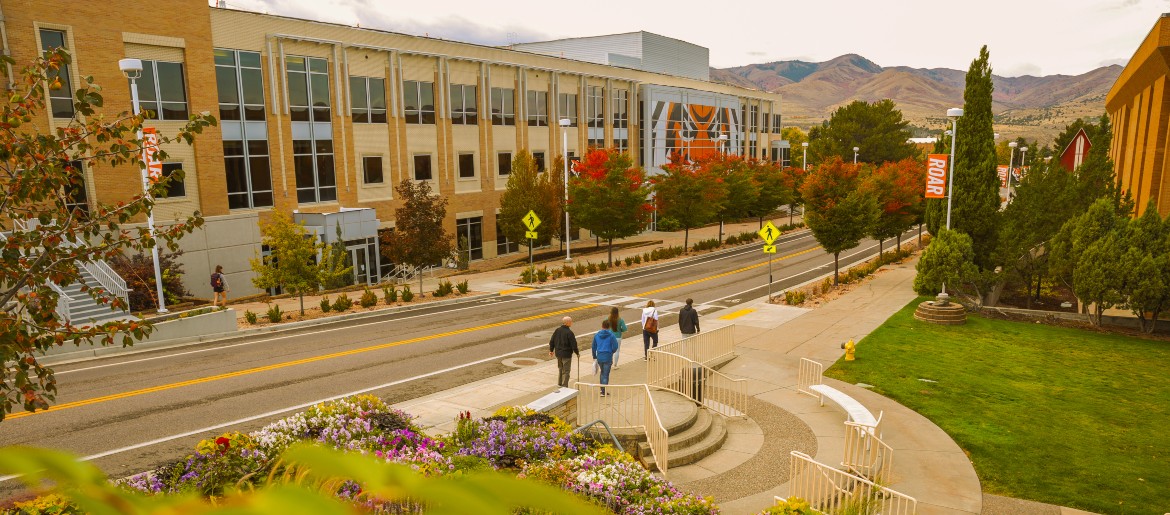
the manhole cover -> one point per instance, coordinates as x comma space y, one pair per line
521, 362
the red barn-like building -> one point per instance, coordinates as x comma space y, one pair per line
1076, 151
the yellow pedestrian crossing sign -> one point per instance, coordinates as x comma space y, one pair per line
769, 233
769, 249
531, 221
530, 235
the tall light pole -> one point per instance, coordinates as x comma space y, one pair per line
855, 149
722, 143
804, 160
565, 140
1011, 164
953, 113
132, 69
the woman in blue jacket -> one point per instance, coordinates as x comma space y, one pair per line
604, 346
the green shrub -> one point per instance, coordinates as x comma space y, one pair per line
369, 299
668, 224
630, 261
389, 294
463, 287
616, 263
555, 273
827, 285
592, 267
654, 255
794, 298
603, 266
444, 289
646, 256
342, 303
250, 317
325, 305
542, 274
274, 315
705, 244
637, 259
407, 295
580, 268
568, 271
732, 240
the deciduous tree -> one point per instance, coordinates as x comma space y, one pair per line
528, 190
897, 188
419, 238
47, 238
838, 209
691, 193
297, 261
608, 196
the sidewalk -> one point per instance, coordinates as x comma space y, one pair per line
770, 340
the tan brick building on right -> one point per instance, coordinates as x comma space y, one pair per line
1139, 106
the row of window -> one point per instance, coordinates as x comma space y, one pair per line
372, 166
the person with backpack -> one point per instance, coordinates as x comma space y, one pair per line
649, 328
617, 326
219, 287
604, 346
688, 319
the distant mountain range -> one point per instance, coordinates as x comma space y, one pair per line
1034, 107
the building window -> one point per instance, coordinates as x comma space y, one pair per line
503, 106
372, 169
60, 99
240, 84
176, 187
504, 163
621, 109
308, 89
161, 91
466, 166
503, 246
776, 129
76, 200
422, 167
538, 161
463, 105
471, 228
567, 107
418, 100
313, 164
595, 113
537, 109
755, 119
367, 98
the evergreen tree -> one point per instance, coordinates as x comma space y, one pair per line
419, 238
608, 196
878, 129
975, 193
1146, 266
948, 260
838, 210
336, 270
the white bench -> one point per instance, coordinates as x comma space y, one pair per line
809, 382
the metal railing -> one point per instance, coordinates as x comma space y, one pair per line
63, 300
625, 406
105, 276
866, 454
829, 490
706, 348
807, 375
707, 387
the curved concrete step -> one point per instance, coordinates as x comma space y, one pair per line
695, 451
678, 441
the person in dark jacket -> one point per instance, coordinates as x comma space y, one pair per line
604, 345
563, 345
688, 319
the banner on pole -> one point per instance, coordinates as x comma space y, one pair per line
936, 175
1002, 171
150, 151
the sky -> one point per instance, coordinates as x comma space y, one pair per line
1024, 37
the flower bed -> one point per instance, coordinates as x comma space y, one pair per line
532, 445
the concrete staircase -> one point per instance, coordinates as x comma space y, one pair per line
695, 433
82, 309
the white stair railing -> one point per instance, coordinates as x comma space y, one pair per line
702, 384
829, 490
866, 454
807, 375
626, 406
706, 348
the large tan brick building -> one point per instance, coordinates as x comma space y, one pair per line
1139, 107
325, 119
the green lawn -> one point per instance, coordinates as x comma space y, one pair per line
1058, 415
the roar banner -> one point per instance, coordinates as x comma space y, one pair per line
936, 176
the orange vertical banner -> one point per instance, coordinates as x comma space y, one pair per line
936, 175
1002, 171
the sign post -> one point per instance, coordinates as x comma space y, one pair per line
769, 233
531, 221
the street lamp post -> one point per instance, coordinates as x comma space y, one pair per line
564, 122
855, 149
1011, 165
953, 113
132, 69
804, 160
722, 143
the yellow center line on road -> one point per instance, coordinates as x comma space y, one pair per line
725, 274
276, 366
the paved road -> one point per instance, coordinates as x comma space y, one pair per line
134, 412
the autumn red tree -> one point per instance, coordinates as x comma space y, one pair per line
608, 196
691, 193
897, 189
838, 209
792, 179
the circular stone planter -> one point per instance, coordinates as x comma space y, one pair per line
943, 314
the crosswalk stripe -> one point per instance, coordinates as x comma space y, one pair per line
593, 300
543, 293
570, 296
620, 301
670, 306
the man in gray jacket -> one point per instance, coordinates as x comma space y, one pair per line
563, 345
688, 319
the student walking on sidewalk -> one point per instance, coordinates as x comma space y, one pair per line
688, 320
563, 345
604, 345
617, 326
649, 328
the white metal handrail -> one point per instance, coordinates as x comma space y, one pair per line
807, 375
706, 386
829, 490
706, 348
866, 454
107, 278
63, 301
626, 406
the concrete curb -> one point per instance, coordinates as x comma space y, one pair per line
99, 352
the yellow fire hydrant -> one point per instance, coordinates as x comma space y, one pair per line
849, 347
